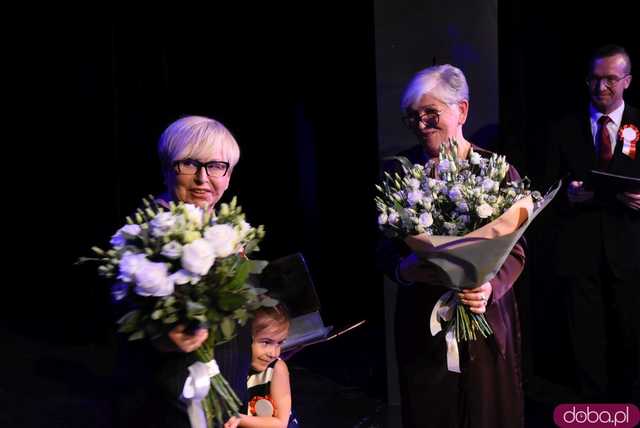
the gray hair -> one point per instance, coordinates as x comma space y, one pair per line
195, 136
445, 82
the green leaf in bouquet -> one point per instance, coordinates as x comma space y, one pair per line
213, 316
230, 301
137, 335
129, 322
228, 327
241, 315
257, 266
157, 314
242, 273
195, 308
268, 301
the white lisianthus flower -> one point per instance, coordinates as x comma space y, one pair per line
496, 186
129, 266
223, 239
393, 218
444, 165
243, 230
382, 218
425, 219
193, 215
487, 184
462, 206
415, 196
172, 250
475, 158
451, 227
484, 210
413, 183
129, 231
455, 194
162, 224
152, 280
198, 256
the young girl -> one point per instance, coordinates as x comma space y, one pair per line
268, 386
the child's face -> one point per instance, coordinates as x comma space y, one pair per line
266, 346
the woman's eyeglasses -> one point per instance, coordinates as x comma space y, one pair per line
427, 117
192, 166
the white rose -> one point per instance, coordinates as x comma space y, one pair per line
415, 196
198, 256
484, 210
172, 250
382, 218
119, 239
152, 280
162, 224
223, 238
129, 266
425, 219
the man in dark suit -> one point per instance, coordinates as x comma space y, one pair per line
598, 239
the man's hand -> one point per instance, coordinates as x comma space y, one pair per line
630, 199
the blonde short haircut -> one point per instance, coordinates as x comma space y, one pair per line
196, 136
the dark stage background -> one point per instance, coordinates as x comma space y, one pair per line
297, 87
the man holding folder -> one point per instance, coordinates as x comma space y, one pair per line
598, 240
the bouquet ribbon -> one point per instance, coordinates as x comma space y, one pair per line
443, 311
196, 389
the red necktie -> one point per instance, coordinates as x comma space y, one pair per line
604, 142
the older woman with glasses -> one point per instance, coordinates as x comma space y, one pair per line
197, 155
488, 391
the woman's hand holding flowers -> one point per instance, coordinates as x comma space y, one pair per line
476, 299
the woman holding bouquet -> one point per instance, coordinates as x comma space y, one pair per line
488, 390
197, 155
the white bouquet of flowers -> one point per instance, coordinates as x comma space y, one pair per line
463, 218
188, 265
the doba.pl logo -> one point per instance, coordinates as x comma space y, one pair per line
596, 415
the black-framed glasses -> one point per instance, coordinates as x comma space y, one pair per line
427, 117
609, 81
191, 167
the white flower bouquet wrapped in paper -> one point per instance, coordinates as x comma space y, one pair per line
188, 265
462, 218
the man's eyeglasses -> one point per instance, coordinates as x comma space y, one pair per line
427, 117
609, 81
192, 166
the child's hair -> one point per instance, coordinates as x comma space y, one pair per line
266, 317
